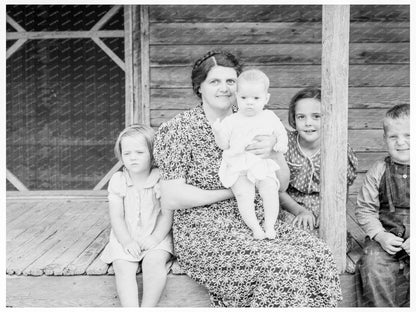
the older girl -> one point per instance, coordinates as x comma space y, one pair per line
140, 230
303, 157
213, 244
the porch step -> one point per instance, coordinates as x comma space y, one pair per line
100, 291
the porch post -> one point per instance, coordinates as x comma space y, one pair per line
334, 129
136, 47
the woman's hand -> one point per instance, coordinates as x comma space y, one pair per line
262, 145
305, 219
132, 247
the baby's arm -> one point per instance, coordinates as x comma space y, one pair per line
221, 137
118, 225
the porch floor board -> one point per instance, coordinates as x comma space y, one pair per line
64, 237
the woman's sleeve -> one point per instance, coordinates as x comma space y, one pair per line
352, 165
172, 150
117, 185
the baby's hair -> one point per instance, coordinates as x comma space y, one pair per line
211, 59
254, 75
136, 129
397, 112
307, 93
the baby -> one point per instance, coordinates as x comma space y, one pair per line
241, 170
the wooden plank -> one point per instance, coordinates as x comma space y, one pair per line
59, 266
108, 176
80, 264
56, 194
95, 291
97, 267
296, 76
12, 49
16, 209
129, 29
366, 140
110, 53
278, 54
335, 39
106, 17
15, 181
36, 35
269, 32
358, 97
53, 260
27, 231
367, 159
27, 253
271, 13
144, 110
14, 24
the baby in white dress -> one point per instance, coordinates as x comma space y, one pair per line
241, 170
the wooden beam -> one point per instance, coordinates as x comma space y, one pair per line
106, 17
130, 30
334, 129
144, 115
15, 46
13, 23
64, 34
15, 181
109, 52
107, 177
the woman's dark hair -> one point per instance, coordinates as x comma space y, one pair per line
213, 58
307, 93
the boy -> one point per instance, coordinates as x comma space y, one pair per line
383, 211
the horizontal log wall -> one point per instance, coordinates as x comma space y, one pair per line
285, 42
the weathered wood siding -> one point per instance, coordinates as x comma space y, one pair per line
285, 42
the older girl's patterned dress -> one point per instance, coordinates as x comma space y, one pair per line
215, 247
304, 185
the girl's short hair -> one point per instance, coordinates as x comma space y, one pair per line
213, 58
307, 93
136, 129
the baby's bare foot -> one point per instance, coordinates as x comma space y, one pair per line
270, 234
259, 234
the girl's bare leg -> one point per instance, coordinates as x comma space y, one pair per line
269, 192
154, 276
126, 282
244, 191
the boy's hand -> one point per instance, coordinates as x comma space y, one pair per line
149, 242
132, 248
389, 242
305, 219
406, 246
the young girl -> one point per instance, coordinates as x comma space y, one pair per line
140, 230
303, 158
242, 170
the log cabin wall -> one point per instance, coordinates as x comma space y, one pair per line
62, 119
285, 42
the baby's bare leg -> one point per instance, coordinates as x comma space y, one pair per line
269, 192
244, 192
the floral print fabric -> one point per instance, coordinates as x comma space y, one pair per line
215, 247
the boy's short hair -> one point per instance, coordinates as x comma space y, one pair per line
254, 75
396, 112
136, 129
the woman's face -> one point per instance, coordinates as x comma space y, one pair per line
308, 119
218, 89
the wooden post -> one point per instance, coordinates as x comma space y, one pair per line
137, 60
334, 131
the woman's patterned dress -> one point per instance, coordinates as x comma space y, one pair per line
215, 247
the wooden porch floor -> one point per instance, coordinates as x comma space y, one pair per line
64, 237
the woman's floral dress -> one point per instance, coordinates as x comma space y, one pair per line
215, 247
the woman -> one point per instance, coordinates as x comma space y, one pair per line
211, 241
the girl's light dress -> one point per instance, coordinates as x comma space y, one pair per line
240, 131
141, 209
